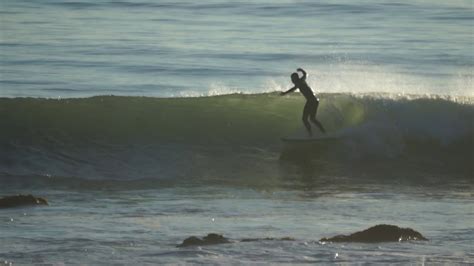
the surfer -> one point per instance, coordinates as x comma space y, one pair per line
312, 103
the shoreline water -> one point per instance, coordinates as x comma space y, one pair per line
147, 225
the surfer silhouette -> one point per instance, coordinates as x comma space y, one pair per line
312, 103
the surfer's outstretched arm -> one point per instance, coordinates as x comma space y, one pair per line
304, 73
288, 91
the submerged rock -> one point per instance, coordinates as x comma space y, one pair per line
378, 233
210, 239
214, 239
267, 239
21, 200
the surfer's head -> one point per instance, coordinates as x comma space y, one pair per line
295, 78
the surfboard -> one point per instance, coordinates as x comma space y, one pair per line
304, 138
314, 139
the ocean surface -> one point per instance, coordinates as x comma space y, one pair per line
146, 122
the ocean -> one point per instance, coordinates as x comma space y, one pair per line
146, 122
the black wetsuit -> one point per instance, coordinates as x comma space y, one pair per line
312, 103
311, 106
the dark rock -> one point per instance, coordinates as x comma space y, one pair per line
378, 233
267, 239
210, 239
191, 241
214, 239
21, 200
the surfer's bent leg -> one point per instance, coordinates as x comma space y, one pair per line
314, 110
306, 115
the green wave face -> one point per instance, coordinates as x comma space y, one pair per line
219, 119
139, 136
230, 118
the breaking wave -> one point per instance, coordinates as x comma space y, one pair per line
238, 135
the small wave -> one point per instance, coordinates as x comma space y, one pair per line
160, 138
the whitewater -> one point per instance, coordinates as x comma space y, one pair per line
146, 122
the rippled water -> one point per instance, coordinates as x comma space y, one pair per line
143, 226
54, 48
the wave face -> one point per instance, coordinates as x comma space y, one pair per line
231, 136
